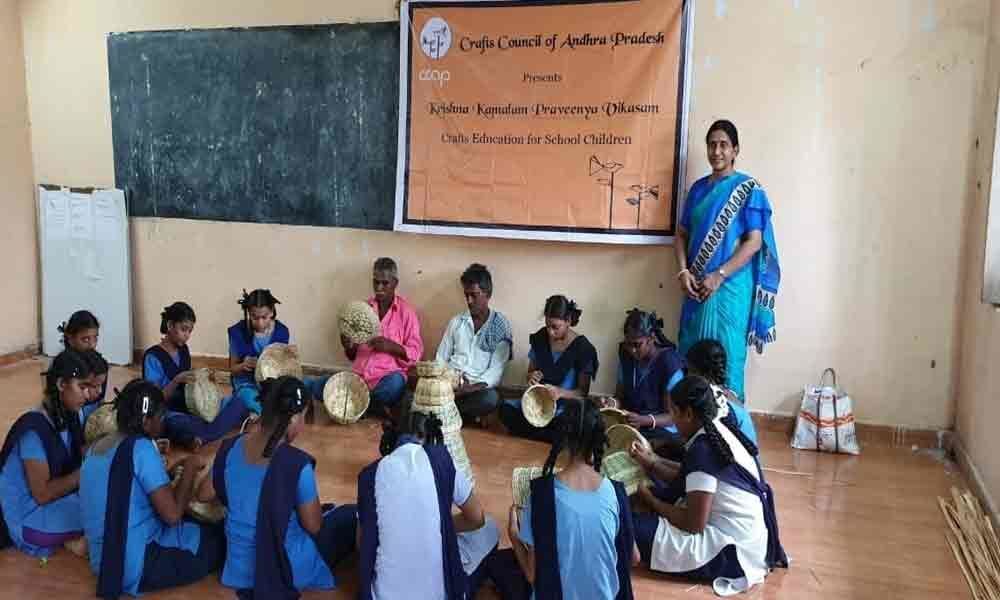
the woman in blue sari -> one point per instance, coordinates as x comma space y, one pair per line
728, 258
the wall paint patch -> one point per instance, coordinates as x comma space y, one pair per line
929, 21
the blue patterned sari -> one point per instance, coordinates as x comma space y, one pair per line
741, 312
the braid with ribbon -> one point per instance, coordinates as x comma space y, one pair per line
283, 398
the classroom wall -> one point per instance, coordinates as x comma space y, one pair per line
857, 116
18, 245
979, 378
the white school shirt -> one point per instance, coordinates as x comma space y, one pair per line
736, 518
460, 350
408, 561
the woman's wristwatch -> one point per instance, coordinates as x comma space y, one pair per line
722, 272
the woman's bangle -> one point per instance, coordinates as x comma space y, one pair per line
682, 272
653, 417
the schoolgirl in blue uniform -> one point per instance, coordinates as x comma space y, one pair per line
40, 464
98, 382
167, 365
134, 521
81, 333
559, 358
707, 358
280, 540
573, 540
259, 329
649, 366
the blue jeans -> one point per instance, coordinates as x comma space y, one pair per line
388, 392
315, 386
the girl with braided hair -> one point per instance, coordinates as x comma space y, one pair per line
280, 539
708, 359
726, 531
248, 337
40, 464
648, 368
411, 545
573, 539
139, 538
167, 365
81, 333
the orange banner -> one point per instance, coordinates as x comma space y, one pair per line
550, 120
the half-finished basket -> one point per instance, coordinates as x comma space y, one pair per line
278, 360
538, 405
346, 397
202, 397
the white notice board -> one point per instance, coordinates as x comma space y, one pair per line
85, 265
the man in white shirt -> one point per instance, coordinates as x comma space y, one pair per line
478, 343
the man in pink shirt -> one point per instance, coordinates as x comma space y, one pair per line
384, 361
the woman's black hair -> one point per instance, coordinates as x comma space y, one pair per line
422, 425
68, 364
78, 321
561, 307
726, 126
698, 394
135, 402
176, 313
478, 274
646, 324
580, 429
282, 399
98, 365
257, 299
708, 358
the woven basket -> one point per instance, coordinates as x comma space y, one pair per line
202, 397
432, 369
620, 438
451, 428
100, 423
346, 397
453, 377
433, 387
620, 466
520, 482
614, 416
358, 322
278, 360
209, 512
538, 405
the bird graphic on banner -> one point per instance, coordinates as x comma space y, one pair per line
605, 171
653, 191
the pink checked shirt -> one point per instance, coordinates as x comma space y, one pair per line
401, 325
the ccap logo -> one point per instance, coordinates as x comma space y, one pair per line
435, 38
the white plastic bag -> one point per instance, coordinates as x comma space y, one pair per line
826, 420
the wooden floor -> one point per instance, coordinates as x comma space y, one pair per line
854, 527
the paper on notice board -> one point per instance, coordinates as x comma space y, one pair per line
56, 216
81, 220
107, 216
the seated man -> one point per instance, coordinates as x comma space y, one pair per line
383, 362
477, 344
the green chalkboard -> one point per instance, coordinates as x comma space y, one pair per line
294, 125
